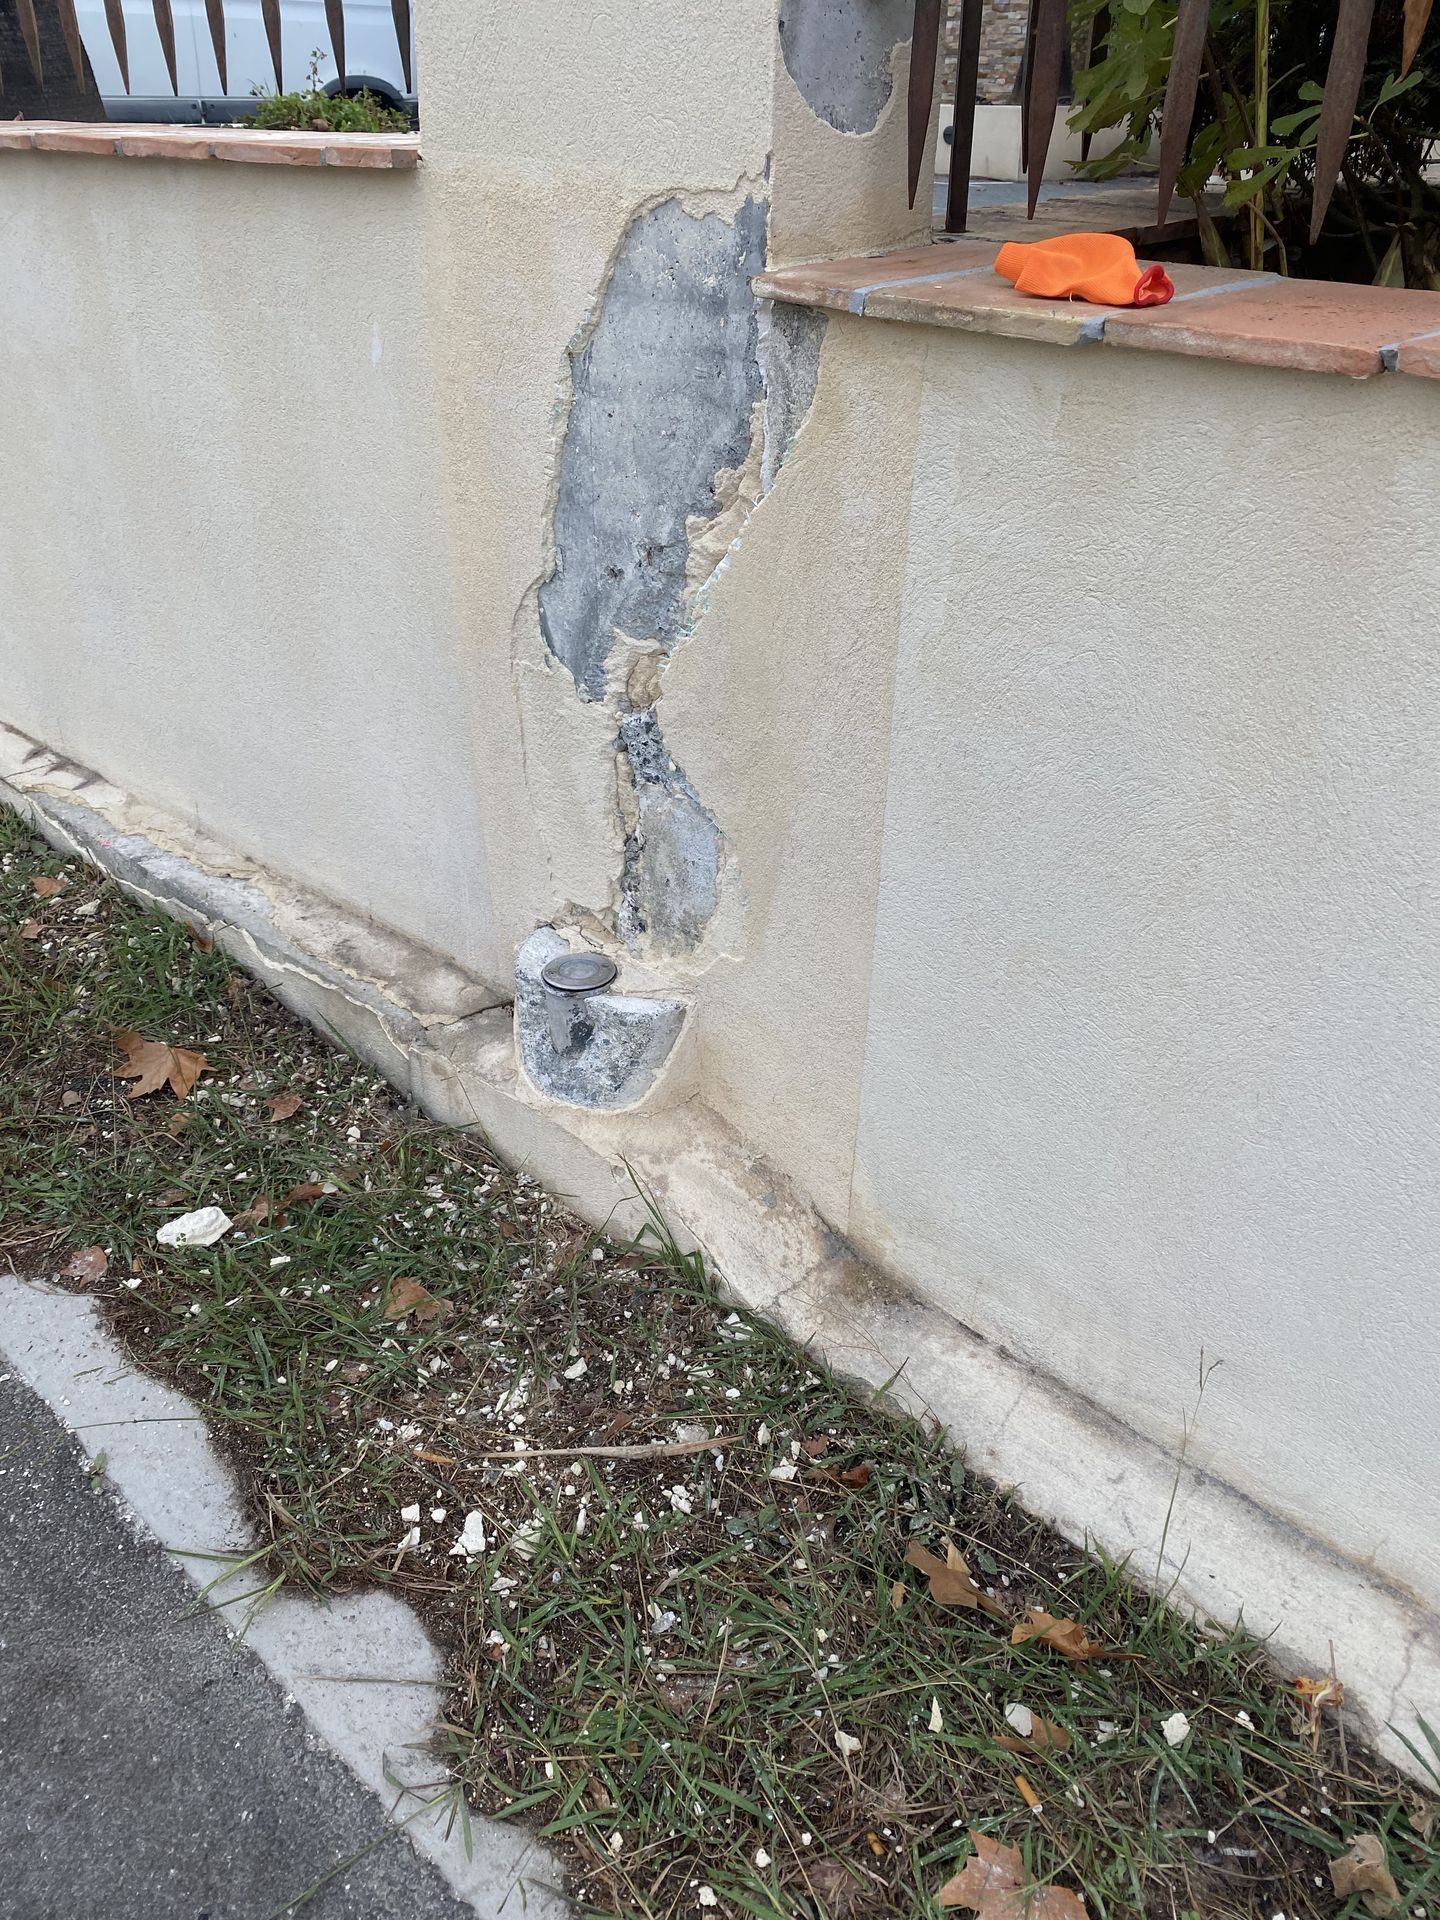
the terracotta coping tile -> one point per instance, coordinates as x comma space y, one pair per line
1317, 326
136, 141
1420, 356
844, 283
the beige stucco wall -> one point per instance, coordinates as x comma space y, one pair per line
224, 579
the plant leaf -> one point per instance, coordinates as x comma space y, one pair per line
406, 1296
88, 1266
151, 1063
1066, 1636
995, 1884
47, 885
1417, 18
951, 1582
1363, 1870
284, 1106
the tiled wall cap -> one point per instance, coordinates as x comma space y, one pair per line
127, 140
1315, 326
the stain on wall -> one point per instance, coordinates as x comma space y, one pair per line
671, 884
662, 395
838, 53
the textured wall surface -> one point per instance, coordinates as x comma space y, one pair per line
223, 575
1153, 1066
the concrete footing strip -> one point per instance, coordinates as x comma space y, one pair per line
1074, 1463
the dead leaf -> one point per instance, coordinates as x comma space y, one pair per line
1318, 1694
177, 1124
1417, 18
1026, 1792
151, 1065
47, 886
1044, 1737
995, 1884
255, 1215
812, 1449
169, 1196
301, 1196
406, 1296
1423, 1818
70, 1098
31, 930
435, 1459
201, 939
284, 1106
1066, 1636
835, 1887
951, 1584
235, 990
87, 1266
852, 1477
1363, 1870
898, 1591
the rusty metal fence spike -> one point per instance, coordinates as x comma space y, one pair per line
1027, 67
30, 29
335, 21
1181, 90
270, 14
400, 14
115, 21
1342, 90
962, 131
1042, 88
1096, 34
70, 27
924, 51
165, 27
215, 14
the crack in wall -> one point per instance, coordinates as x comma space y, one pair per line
685, 398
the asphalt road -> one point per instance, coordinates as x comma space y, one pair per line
151, 1768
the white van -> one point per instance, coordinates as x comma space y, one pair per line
137, 85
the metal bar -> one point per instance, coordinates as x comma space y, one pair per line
1043, 91
962, 133
165, 27
215, 14
1342, 90
1096, 34
1027, 64
70, 27
1181, 90
115, 21
270, 14
30, 29
400, 13
335, 21
924, 52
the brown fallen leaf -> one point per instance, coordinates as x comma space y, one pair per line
284, 1106
70, 1098
255, 1215
87, 1266
951, 1582
835, 1887
30, 930
898, 1591
994, 1883
1318, 1694
302, 1196
812, 1449
177, 1124
1363, 1870
202, 939
1044, 1737
1066, 1636
406, 1296
235, 990
151, 1064
852, 1477
435, 1459
46, 885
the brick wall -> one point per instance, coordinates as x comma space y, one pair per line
1002, 39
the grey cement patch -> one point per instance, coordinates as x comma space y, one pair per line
615, 1063
671, 883
790, 353
662, 395
362, 1672
838, 54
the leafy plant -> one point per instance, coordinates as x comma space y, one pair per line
1260, 73
312, 110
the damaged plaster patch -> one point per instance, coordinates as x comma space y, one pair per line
838, 53
621, 1045
663, 396
671, 883
790, 346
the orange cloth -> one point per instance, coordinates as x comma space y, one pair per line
1084, 266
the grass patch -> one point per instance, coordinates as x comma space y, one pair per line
706, 1675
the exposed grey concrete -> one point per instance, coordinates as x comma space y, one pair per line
154, 1769
791, 340
616, 1062
671, 884
662, 394
363, 1674
838, 54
